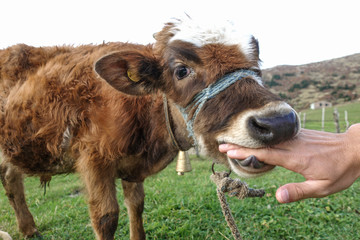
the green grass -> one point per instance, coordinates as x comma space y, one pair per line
313, 117
187, 208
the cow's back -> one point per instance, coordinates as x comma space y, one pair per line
49, 99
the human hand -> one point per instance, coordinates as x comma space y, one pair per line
329, 162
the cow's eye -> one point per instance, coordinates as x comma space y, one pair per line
182, 72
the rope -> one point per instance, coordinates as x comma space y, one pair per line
168, 126
235, 188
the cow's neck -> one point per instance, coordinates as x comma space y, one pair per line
160, 150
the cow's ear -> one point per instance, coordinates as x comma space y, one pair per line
132, 72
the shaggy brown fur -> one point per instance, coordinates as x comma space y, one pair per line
58, 116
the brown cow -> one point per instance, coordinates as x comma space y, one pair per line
99, 111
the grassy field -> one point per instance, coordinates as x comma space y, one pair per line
313, 117
187, 208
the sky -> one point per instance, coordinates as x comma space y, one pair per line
290, 32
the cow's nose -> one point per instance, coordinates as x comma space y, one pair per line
272, 130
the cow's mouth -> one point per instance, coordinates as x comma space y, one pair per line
250, 161
249, 167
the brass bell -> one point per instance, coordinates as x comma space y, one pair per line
183, 164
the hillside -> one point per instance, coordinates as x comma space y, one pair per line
336, 81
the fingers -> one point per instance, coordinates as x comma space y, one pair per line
227, 147
267, 155
293, 192
319, 156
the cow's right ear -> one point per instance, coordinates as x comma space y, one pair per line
132, 72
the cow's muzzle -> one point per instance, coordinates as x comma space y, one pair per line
270, 125
271, 130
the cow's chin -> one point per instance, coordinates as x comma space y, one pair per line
248, 168
251, 166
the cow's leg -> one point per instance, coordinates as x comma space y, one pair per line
104, 209
134, 201
12, 180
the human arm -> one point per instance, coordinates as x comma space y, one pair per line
329, 162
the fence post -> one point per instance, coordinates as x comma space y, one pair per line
304, 119
346, 119
336, 120
323, 119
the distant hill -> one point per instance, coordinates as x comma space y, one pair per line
336, 81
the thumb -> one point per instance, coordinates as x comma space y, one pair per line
293, 192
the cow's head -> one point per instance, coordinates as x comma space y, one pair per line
188, 59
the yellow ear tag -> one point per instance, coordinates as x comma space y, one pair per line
132, 76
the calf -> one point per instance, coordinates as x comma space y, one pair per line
100, 111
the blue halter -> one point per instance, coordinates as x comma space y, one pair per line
210, 92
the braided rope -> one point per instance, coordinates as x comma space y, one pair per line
235, 188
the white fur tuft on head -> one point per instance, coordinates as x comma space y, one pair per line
201, 33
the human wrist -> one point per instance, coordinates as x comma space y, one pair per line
353, 137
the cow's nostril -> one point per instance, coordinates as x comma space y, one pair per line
274, 129
260, 126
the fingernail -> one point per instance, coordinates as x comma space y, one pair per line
222, 147
284, 196
231, 153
